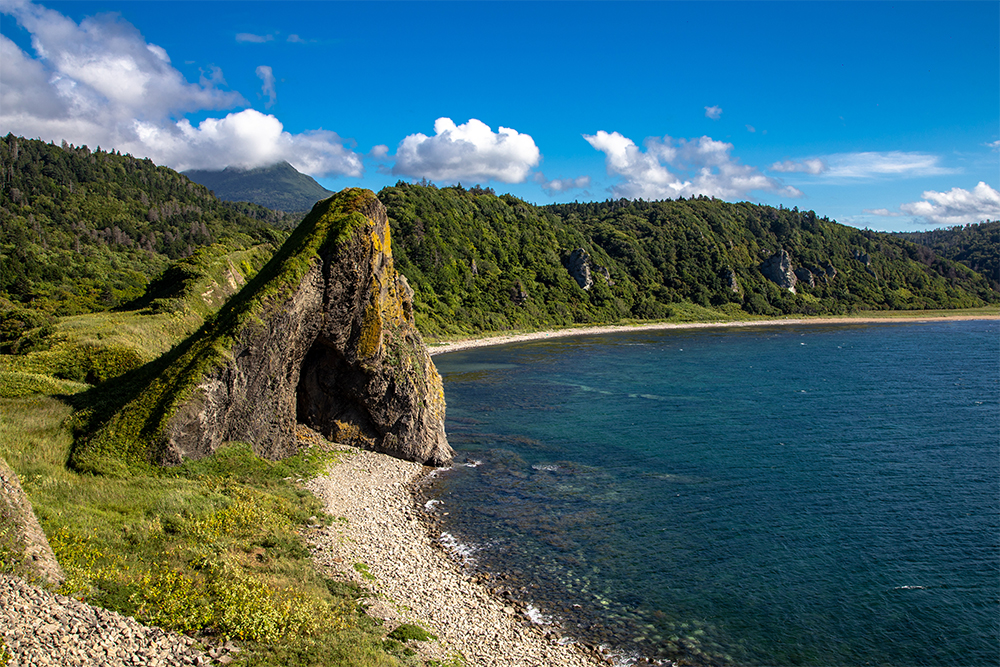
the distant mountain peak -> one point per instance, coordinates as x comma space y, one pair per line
278, 186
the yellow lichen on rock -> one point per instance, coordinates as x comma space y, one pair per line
370, 338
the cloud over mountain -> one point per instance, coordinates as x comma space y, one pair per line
99, 82
467, 152
700, 166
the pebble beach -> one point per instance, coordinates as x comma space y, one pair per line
379, 539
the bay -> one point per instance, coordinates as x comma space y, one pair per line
795, 495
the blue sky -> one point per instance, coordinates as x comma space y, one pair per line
880, 115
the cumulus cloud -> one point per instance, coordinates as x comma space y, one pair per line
713, 112
557, 185
100, 83
700, 166
467, 152
995, 145
957, 206
247, 139
265, 74
812, 166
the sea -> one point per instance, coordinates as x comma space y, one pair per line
821, 494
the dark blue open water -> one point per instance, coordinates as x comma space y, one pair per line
796, 495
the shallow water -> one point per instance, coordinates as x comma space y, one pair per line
809, 495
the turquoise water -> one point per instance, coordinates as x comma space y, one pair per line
798, 495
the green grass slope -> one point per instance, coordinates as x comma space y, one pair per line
95, 347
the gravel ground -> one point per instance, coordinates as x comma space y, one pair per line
380, 541
43, 628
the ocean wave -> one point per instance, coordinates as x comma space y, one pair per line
548, 467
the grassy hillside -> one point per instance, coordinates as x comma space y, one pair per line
214, 548
480, 262
84, 231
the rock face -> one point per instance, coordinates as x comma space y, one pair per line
734, 285
582, 269
804, 275
778, 269
336, 349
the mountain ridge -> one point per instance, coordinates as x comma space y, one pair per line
278, 186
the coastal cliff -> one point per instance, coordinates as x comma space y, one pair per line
324, 336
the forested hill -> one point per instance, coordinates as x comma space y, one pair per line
83, 230
977, 246
482, 262
279, 186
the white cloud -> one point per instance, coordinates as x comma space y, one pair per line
812, 166
295, 39
468, 152
706, 165
995, 145
891, 163
713, 112
558, 185
884, 212
100, 83
751, 129
247, 139
265, 74
250, 38
957, 206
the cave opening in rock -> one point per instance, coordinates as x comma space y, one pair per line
328, 399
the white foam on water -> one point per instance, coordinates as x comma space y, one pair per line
434, 473
536, 616
546, 468
909, 588
431, 504
475, 463
460, 549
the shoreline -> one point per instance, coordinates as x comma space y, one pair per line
504, 339
380, 540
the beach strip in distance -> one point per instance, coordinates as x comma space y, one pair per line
503, 339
